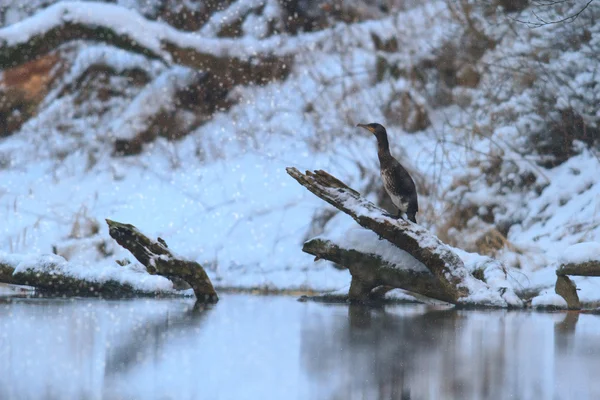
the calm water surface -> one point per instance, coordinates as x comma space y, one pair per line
249, 347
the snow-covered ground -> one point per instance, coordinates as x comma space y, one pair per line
221, 196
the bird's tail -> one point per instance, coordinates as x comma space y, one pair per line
412, 217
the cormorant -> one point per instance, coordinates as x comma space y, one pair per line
396, 180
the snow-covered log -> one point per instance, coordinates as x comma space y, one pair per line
230, 62
456, 283
159, 260
588, 268
52, 274
370, 270
581, 259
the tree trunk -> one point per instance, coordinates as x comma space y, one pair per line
371, 270
590, 268
455, 282
566, 288
159, 260
51, 274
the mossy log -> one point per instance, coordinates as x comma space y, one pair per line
370, 271
454, 282
589, 268
53, 279
123, 28
159, 260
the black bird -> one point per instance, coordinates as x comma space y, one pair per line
396, 180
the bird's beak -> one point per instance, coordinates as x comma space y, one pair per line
367, 127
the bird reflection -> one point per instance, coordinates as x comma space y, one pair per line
373, 351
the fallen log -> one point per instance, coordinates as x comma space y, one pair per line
566, 288
159, 260
370, 271
229, 61
52, 274
456, 284
588, 268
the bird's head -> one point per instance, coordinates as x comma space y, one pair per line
376, 129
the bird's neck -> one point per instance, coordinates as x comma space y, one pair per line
383, 149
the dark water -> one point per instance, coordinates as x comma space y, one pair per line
250, 347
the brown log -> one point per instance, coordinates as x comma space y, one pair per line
158, 259
443, 263
53, 280
589, 268
567, 290
370, 271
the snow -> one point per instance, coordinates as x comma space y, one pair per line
123, 21
229, 15
580, 253
500, 278
52, 264
220, 196
548, 299
366, 241
14, 290
499, 290
158, 96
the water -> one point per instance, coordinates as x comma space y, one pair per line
251, 347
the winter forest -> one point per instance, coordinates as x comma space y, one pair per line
195, 193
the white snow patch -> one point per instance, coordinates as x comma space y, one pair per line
549, 299
581, 253
56, 265
366, 241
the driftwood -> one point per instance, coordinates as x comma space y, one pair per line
159, 260
370, 271
566, 288
589, 268
53, 280
54, 275
454, 283
68, 21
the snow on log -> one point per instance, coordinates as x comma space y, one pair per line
50, 273
588, 268
159, 260
371, 270
230, 61
457, 284
581, 259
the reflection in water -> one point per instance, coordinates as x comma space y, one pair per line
428, 353
249, 347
